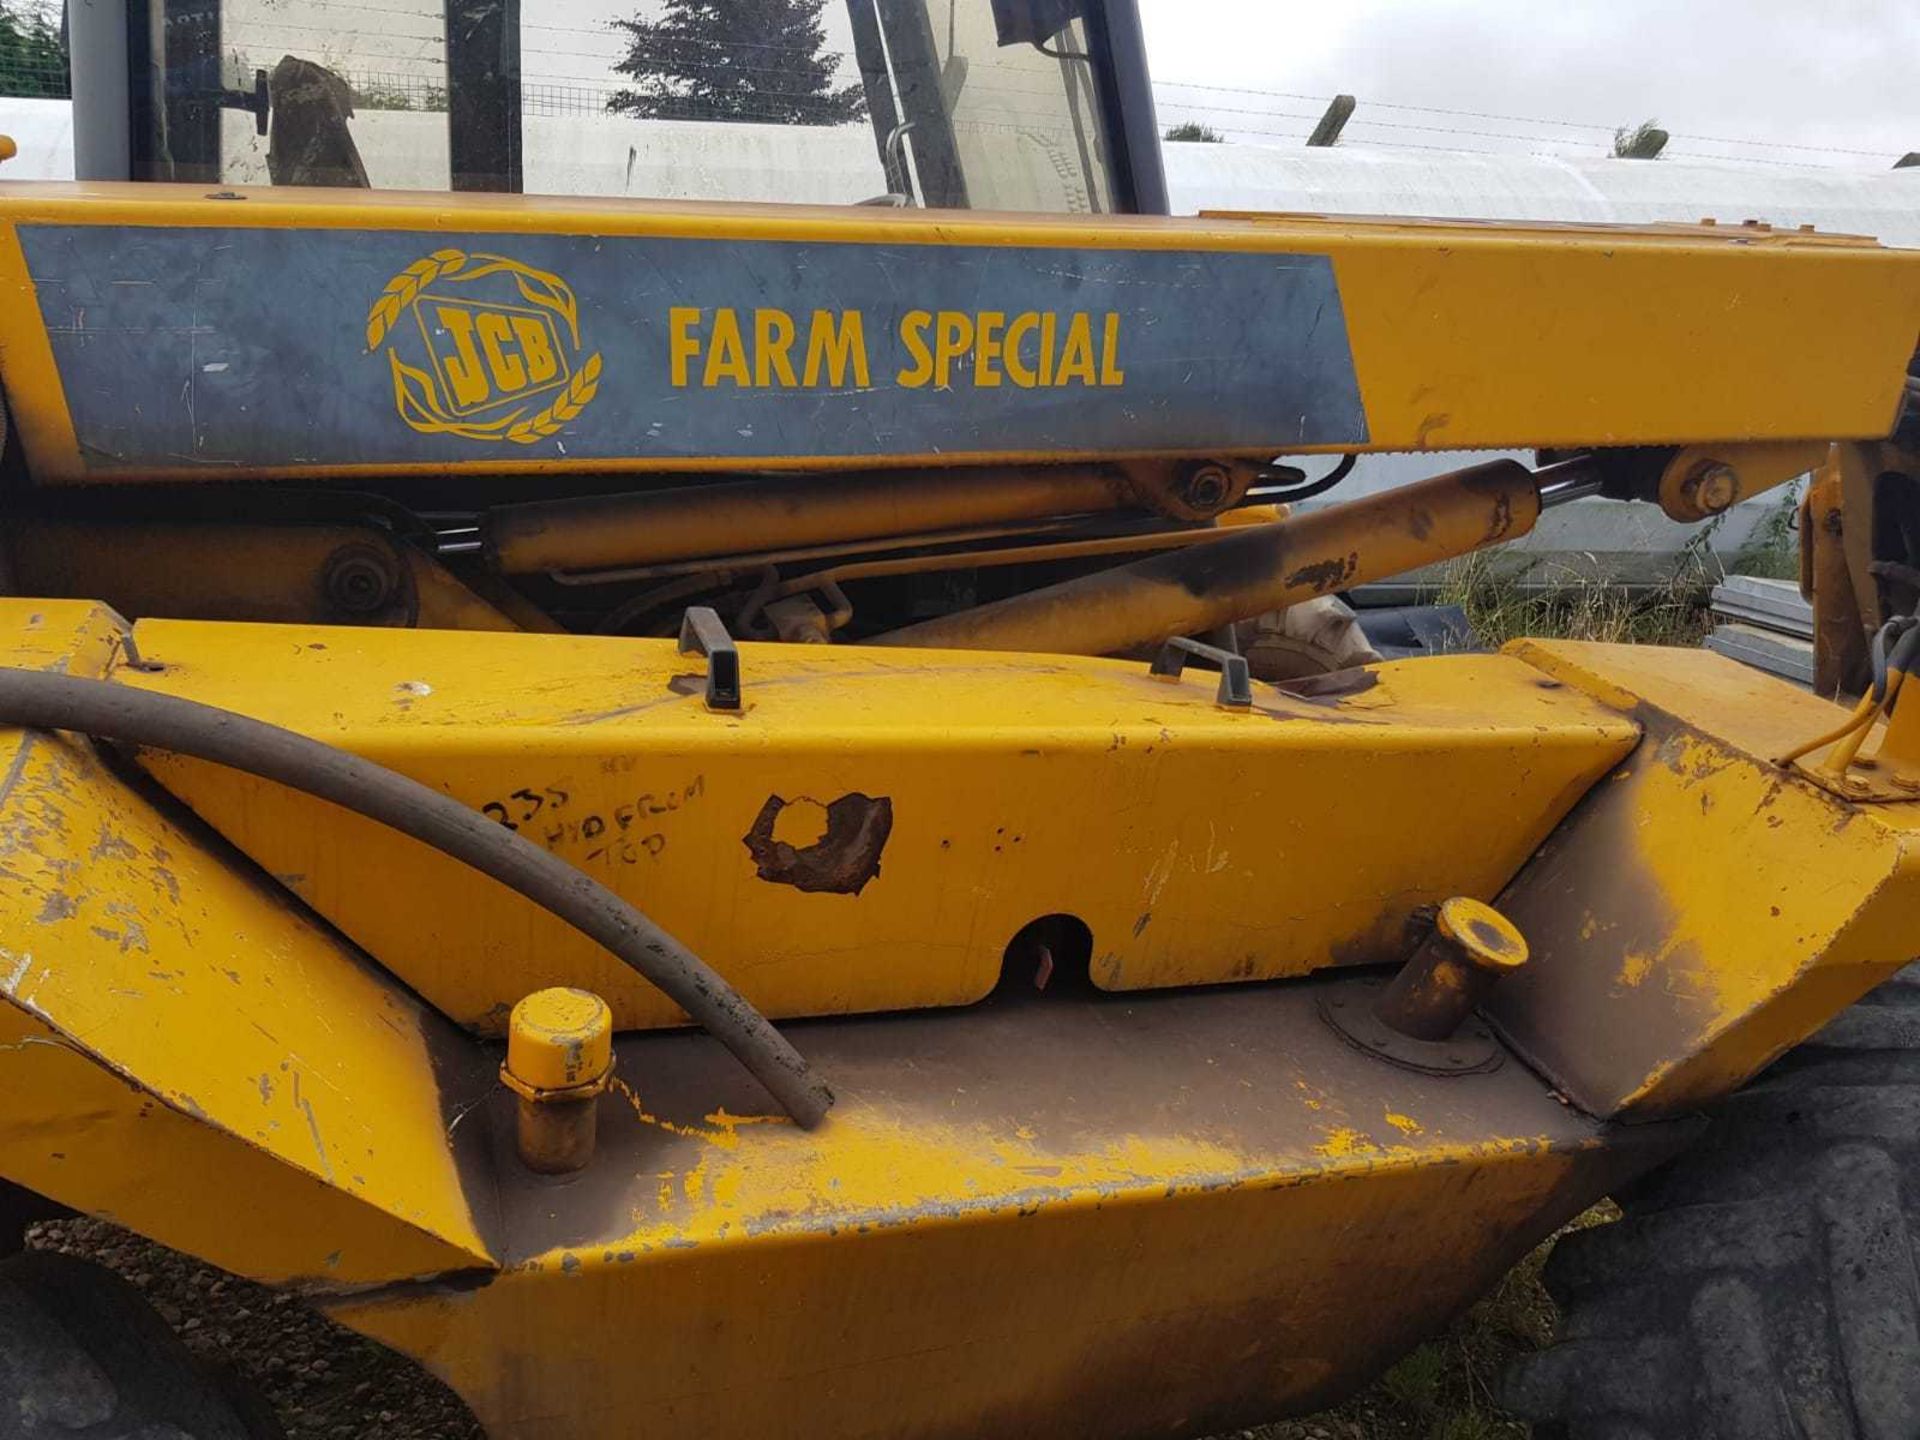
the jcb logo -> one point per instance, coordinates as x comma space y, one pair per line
483, 347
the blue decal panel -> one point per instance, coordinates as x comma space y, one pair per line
257, 349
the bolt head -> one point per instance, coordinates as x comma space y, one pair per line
1208, 487
1712, 488
359, 580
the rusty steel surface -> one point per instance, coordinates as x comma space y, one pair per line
1245, 572
1096, 1215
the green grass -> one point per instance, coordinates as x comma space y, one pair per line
1501, 609
1674, 612
1773, 549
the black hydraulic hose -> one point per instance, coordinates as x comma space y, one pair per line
108, 711
1307, 489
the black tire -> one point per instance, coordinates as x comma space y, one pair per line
19, 1208
84, 1357
1763, 1285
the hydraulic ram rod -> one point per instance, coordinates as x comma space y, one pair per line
1257, 568
588, 532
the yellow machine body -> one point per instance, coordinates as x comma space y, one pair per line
872, 828
1210, 1190
1457, 335
1179, 1193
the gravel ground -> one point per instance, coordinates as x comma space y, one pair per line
326, 1383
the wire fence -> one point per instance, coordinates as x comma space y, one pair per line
385, 91
375, 90
33, 77
32, 66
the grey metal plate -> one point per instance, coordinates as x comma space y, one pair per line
249, 348
1782, 655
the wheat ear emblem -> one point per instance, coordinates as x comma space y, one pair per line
417, 395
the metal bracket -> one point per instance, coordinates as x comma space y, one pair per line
130, 653
1895, 656
1236, 681
257, 102
701, 633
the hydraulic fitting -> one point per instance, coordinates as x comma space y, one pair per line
1472, 946
559, 1060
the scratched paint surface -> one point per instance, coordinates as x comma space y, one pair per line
1197, 844
129, 949
1093, 1215
244, 346
1701, 911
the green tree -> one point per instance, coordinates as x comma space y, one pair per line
31, 60
746, 60
1194, 130
1644, 141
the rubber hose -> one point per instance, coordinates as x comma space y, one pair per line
107, 711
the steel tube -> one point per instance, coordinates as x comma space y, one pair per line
1433, 993
108, 711
97, 47
592, 532
1472, 946
1246, 572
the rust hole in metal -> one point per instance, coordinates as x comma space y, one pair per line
844, 857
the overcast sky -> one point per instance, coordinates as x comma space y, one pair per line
1830, 73
1839, 74
1829, 77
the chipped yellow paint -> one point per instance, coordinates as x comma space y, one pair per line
1343, 1141
1725, 909
1022, 801
68, 637
720, 1129
942, 1258
238, 1057
1638, 964
951, 1259
875, 1165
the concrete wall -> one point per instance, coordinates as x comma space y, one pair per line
43, 129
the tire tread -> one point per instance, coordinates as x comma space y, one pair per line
1763, 1286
